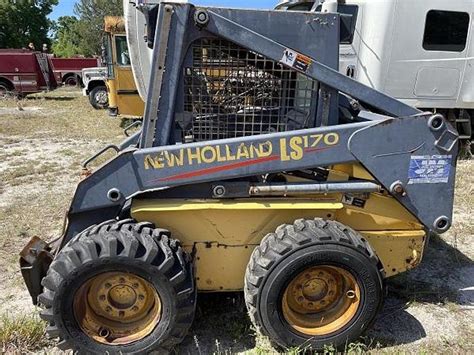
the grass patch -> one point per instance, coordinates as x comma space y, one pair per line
61, 113
26, 172
22, 334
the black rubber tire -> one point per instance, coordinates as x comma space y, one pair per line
72, 80
283, 255
6, 90
93, 98
128, 246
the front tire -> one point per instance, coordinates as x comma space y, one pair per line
120, 288
313, 284
98, 97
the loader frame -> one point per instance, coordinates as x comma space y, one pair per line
410, 155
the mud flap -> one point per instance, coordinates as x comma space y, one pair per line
35, 260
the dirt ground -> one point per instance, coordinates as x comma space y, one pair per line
43, 140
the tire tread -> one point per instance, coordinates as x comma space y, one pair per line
289, 238
131, 236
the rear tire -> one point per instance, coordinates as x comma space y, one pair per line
313, 284
98, 98
72, 80
6, 90
120, 288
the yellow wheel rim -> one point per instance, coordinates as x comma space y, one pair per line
321, 300
116, 308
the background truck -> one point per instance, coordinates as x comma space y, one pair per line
68, 71
259, 168
124, 98
94, 80
24, 72
421, 52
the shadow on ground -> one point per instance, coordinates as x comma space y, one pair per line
445, 276
221, 326
50, 98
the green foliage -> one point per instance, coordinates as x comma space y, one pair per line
90, 27
22, 334
66, 40
25, 21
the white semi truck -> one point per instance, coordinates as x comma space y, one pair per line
420, 52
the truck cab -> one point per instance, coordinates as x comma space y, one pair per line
420, 52
124, 97
94, 86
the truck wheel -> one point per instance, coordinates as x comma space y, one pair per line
312, 284
5, 90
72, 80
120, 288
99, 98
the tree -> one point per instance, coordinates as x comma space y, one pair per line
25, 21
90, 27
67, 39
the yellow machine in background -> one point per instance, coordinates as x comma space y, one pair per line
124, 99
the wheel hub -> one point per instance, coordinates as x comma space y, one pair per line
122, 297
117, 308
321, 300
315, 289
101, 98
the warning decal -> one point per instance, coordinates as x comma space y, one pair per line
353, 201
434, 169
296, 60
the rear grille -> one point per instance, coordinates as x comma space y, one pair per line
232, 92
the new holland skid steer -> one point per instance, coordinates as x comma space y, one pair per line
258, 168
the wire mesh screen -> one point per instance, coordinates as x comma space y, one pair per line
232, 92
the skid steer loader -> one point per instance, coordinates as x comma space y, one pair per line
258, 168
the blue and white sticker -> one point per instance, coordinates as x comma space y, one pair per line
434, 169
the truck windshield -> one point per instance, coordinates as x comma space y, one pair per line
121, 47
108, 57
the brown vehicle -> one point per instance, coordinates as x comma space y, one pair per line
24, 72
68, 71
